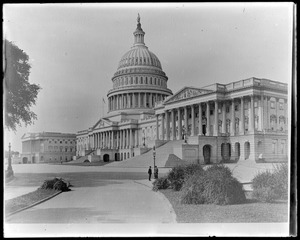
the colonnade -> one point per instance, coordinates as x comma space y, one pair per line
115, 139
134, 100
174, 123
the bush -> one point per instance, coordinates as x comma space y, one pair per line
264, 194
213, 186
281, 181
58, 184
268, 187
161, 183
179, 173
176, 177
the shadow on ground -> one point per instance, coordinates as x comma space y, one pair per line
80, 179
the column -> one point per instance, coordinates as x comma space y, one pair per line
193, 120
277, 115
109, 139
216, 125
133, 100
136, 143
121, 139
127, 139
232, 131
150, 100
157, 130
200, 120
242, 125
145, 99
167, 125
131, 138
173, 124
113, 139
261, 113
179, 137
251, 117
162, 126
224, 117
185, 120
124, 139
139, 100
207, 119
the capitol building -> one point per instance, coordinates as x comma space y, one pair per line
242, 120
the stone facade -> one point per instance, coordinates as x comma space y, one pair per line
48, 147
246, 119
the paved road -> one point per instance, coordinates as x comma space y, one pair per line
115, 201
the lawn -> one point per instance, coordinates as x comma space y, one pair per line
251, 211
28, 199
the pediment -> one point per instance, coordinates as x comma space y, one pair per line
185, 93
103, 122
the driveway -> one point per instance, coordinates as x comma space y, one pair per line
113, 201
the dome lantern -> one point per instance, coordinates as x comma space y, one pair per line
138, 33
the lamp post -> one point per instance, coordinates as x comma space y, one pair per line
154, 153
10, 171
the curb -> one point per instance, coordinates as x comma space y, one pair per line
34, 204
162, 196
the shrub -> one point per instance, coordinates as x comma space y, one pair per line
161, 183
264, 194
281, 173
58, 184
176, 177
215, 185
179, 173
268, 187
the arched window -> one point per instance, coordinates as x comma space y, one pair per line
146, 80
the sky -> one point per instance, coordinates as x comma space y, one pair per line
74, 51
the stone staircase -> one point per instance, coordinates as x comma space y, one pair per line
164, 154
83, 158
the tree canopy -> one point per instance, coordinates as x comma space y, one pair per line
19, 94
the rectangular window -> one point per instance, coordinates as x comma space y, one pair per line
211, 112
281, 106
236, 107
227, 109
273, 105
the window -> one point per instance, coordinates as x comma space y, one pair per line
272, 104
211, 112
227, 126
256, 104
236, 107
219, 110
227, 109
281, 106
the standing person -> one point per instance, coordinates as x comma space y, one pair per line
156, 172
150, 173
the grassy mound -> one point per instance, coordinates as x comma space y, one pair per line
270, 186
216, 185
179, 173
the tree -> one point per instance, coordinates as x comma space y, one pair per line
19, 94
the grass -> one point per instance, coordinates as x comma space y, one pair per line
250, 212
26, 200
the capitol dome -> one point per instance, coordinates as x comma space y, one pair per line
139, 81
